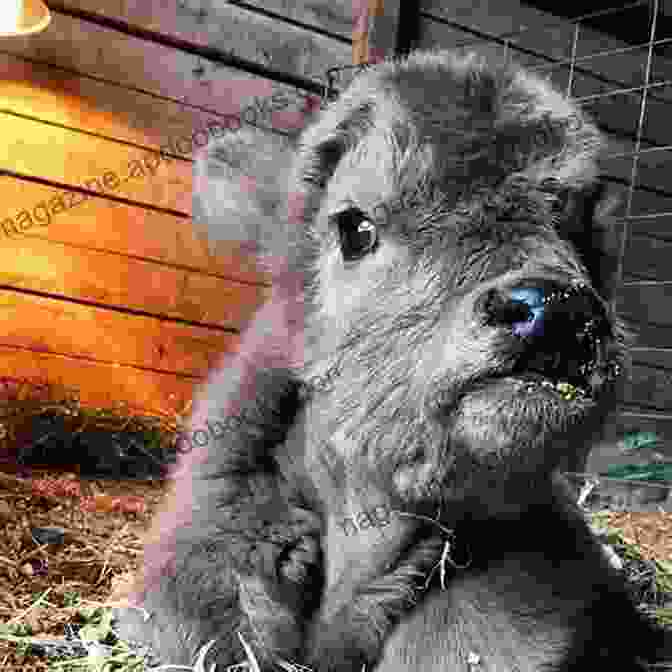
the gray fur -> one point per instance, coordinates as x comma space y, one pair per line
365, 384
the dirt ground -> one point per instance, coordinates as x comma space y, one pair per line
101, 547
102, 524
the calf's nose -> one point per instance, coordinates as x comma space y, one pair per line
544, 309
559, 325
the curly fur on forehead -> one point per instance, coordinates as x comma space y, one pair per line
472, 125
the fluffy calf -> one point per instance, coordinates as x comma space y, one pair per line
439, 342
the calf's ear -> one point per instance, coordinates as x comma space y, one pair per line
240, 187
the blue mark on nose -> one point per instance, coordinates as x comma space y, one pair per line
533, 297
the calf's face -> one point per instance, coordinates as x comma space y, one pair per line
458, 332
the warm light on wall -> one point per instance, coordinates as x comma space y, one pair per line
23, 17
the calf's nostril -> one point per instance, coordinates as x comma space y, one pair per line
520, 309
559, 325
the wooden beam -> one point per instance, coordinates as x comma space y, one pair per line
263, 38
375, 25
333, 18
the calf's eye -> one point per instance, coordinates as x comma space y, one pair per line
357, 233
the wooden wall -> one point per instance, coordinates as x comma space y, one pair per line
117, 295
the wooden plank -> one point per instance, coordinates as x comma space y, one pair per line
106, 167
497, 18
653, 335
659, 226
333, 17
619, 114
159, 70
653, 167
52, 94
98, 223
127, 283
649, 208
651, 175
99, 384
658, 359
78, 331
375, 28
99, 165
647, 203
646, 303
236, 31
647, 308
434, 34
652, 171
650, 386
648, 258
